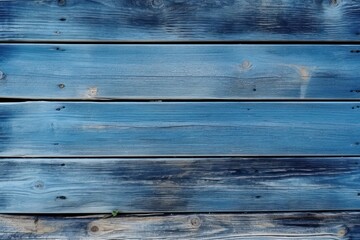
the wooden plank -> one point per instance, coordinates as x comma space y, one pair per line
93, 185
306, 226
179, 128
180, 20
179, 71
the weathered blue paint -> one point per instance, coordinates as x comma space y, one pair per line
111, 71
100, 185
180, 20
180, 128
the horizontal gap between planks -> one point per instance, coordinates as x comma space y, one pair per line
164, 157
10, 100
209, 42
154, 214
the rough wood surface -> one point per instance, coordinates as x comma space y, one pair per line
179, 129
180, 20
68, 71
306, 226
93, 185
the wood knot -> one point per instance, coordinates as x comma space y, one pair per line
342, 232
61, 2
92, 92
195, 222
94, 229
39, 185
245, 66
157, 3
334, 3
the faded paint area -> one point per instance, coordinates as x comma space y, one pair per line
29, 225
286, 226
304, 73
92, 92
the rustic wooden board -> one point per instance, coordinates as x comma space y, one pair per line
179, 128
179, 71
93, 185
180, 20
305, 226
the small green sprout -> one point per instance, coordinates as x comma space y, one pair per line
115, 212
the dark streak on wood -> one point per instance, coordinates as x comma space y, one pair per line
180, 20
182, 185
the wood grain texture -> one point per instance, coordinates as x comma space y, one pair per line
180, 20
179, 71
179, 128
92, 185
305, 226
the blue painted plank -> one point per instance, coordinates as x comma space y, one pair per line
180, 20
68, 71
179, 128
285, 226
93, 185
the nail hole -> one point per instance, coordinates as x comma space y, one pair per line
62, 19
61, 85
254, 89
59, 49
59, 108
61, 197
258, 197
63, 164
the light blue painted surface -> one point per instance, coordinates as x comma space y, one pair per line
180, 20
63, 71
80, 130
179, 129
